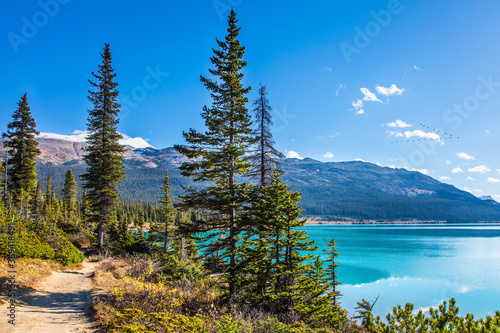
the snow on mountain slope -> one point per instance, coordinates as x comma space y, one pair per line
79, 136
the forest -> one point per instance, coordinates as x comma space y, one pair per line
227, 256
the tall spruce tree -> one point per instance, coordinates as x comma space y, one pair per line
22, 153
218, 155
167, 210
69, 193
104, 156
332, 254
275, 263
264, 158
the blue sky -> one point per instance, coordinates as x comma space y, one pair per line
345, 78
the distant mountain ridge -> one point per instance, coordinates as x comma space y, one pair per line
330, 190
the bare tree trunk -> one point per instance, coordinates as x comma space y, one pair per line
100, 235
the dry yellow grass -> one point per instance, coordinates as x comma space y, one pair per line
30, 272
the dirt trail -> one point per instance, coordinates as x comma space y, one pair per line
60, 304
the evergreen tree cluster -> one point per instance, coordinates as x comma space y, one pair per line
243, 217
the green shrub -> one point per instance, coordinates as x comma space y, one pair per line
133, 244
174, 269
65, 252
27, 245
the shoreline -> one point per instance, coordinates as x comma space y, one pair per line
319, 221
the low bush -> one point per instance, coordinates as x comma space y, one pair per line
27, 245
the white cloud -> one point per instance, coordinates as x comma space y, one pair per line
394, 133
470, 178
329, 155
328, 69
457, 170
369, 96
399, 124
340, 86
480, 168
424, 171
466, 189
478, 191
422, 134
493, 180
498, 171
445, 178
293, 154
448, 162
358, 104
392, 90
360, 160
466, 156
360, 112
487, 131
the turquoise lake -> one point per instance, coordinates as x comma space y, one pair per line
423, 264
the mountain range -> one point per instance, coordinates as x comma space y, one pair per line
331, 191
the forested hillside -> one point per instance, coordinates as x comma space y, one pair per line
335, 190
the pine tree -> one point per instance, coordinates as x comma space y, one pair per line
218, 155
332, 270
22, 153
37, 199
139, 220
275, 262
47, 204
69, 193
264, 158
167, 210
104, 156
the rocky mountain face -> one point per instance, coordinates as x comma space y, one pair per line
330, 191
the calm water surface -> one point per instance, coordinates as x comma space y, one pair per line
420, 264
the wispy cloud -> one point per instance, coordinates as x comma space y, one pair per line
390, 91
394, 133
422, 134
293, 154
359, 112
445, 178
424, 171
413, 68
480, 169
470, 178
465, 156
493, 180
328, 69
399, 124
369, 96
339, 87
457, 170
329, 155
